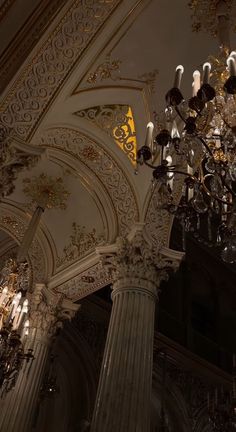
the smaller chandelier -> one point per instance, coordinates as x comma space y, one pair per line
198, 142
14, 323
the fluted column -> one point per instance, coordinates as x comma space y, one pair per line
17, 410
124, 393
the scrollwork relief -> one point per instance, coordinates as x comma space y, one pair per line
118, 122
105, 168
40, 80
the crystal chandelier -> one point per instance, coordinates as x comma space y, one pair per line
14, 322
198, 143
46, 192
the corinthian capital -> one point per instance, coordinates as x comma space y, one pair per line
135, 256
48, 310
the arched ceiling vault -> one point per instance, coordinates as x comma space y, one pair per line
85, 94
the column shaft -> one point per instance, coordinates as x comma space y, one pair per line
124, 393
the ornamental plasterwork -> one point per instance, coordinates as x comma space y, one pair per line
86, 283
26, 38
204, 15
16, 228
118, 122
46, 190
134, 257
81, 243
105, 168
40, 80
109, 69
14, 157
150, 79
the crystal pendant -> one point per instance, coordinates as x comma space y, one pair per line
228, 254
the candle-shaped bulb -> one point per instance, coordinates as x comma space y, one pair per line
25, 302
18, 308
196, 82
149, 133
231, 65
206, 73
178, 75
26, 331
5, 290
18, 295
26, 325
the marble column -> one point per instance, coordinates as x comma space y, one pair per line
124, 394
17, 408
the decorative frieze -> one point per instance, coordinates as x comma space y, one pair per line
81, 243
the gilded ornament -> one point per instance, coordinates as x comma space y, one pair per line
110, 69
89, 153
40, 80
118, 122
47, 191
106, 170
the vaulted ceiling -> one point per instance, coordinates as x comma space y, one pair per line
84, 90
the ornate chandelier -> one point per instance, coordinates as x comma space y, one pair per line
46, 192
14, 322
197, 143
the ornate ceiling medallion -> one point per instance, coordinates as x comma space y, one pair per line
118, 122
47, 191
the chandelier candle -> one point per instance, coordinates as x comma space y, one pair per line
178, 76
196, 82
231, 65
149, 135
206, 73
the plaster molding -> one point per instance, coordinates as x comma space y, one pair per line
108, 171
14, 221
40, 80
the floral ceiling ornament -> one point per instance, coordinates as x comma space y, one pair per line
47, 191
81, 242
118, 122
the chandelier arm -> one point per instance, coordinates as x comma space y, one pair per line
180, 115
